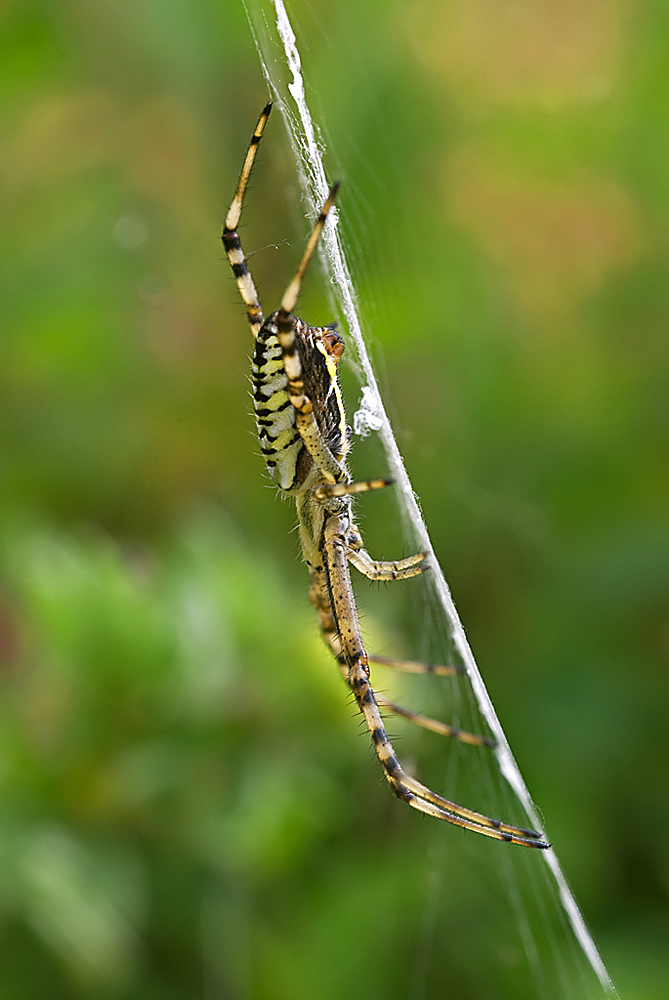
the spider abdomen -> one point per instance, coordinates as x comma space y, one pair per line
280, 441
319, 350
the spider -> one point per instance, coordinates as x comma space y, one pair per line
304, 440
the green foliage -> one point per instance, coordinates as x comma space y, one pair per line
188, 807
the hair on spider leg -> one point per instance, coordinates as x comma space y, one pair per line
285, 242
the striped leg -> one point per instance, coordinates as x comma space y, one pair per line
373, 569
379, 569
406, 788
286, 322
231, 241
320, 598
327, 464
434, 725
292, 293
328, 490
416, 667
286, 319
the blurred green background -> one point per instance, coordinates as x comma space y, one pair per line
188, 806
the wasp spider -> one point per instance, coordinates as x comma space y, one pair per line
304, 439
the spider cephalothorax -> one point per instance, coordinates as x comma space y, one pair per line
304, 440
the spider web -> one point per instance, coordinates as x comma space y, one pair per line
561, 954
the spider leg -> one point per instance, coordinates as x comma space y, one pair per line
406, 788
305, 420
320, 598
434, 725
307, 428
286, 320
373, 569
415, 667
231, 241
381, 569
327, 490
291, 295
